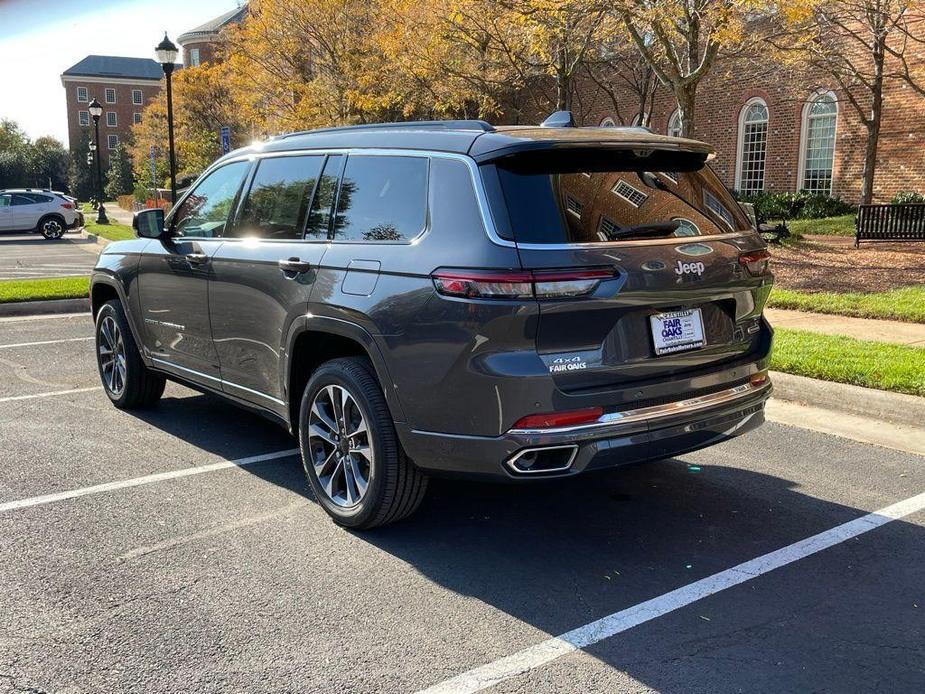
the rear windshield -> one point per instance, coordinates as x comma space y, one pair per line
569, 205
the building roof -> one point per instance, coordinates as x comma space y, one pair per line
485, 143
116, 66
213, 26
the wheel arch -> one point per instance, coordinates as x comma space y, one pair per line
313, 340
51, 215
105, 288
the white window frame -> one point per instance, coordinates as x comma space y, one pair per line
740, 146
136, 118
608, 122
86, 95
194, 57
626, 197
115, 119
109, 141
804, 133
674, 124
641, 120
80, 119
106, 95
141, 97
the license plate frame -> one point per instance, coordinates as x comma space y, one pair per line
683, 334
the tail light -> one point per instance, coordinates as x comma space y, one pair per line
67, 205
524, 284
756, 262
551, 420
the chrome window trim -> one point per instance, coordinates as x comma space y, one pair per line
656, 412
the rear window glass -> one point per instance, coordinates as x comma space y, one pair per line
381, 198
600, 205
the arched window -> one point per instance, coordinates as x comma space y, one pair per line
817, 143
608, 123
674, 124
685, 227
752, 146
641, 119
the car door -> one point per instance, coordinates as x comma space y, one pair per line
6, 212
173, 278
263, 274
27, 210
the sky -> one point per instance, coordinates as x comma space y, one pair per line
40, 39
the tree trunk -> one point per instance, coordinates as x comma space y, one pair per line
870, 161
686, 97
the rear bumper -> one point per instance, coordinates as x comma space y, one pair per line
78, 221
617, 438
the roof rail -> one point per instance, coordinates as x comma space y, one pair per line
478, 125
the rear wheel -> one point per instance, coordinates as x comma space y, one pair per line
51, 228
352, 457
126, 380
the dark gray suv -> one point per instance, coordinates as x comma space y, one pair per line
450, 297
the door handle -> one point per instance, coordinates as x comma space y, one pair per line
295, 265
197, 258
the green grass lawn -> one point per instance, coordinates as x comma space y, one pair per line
112, 231
41, 289
843, 359
832, 226
905, 304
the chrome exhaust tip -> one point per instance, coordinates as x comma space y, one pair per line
543, 459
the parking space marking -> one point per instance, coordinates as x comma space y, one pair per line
49, 394
45, 342
545, 652
44, 316
140, 481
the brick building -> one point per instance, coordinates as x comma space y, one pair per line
199, 44
783, 129
123, 86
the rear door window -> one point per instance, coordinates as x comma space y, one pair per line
565, 204
382, 198
276, 206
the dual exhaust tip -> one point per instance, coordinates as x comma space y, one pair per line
543, 459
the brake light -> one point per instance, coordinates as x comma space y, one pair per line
67, 205
756, 262
525, 284
551, 420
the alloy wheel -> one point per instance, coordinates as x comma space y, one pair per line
112, 356
53, 229
341, 449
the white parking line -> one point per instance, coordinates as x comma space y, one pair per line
44, 316
139, 481
50, 394
618, 622
45, 342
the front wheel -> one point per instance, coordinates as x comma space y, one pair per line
126, 379
352, 457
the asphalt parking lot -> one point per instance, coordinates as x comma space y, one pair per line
29, 256
136, 558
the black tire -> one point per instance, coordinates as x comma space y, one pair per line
141, 387
396, 486
52, 227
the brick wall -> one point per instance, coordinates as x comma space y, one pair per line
124, 108
207, 51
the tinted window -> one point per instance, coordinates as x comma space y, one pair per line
277, 204
5, 200
565, 206
319, 219
29, 199
381, 199
204, 211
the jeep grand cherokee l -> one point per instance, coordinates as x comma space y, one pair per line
450, 297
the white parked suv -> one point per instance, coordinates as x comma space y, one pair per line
44, 211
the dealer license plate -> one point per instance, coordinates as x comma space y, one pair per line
677, 331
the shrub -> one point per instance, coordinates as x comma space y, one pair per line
802, 205
904, 197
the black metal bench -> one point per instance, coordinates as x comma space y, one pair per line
904, 222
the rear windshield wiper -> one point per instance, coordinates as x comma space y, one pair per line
647, 230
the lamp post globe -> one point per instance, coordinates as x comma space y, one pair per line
96, 110
166, 53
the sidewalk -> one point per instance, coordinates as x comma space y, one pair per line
117, 214
895, 332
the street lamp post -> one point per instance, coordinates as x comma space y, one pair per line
166, 55
96, 110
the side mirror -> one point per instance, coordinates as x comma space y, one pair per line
149, 224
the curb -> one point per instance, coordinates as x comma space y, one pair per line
37, 308
897, 408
